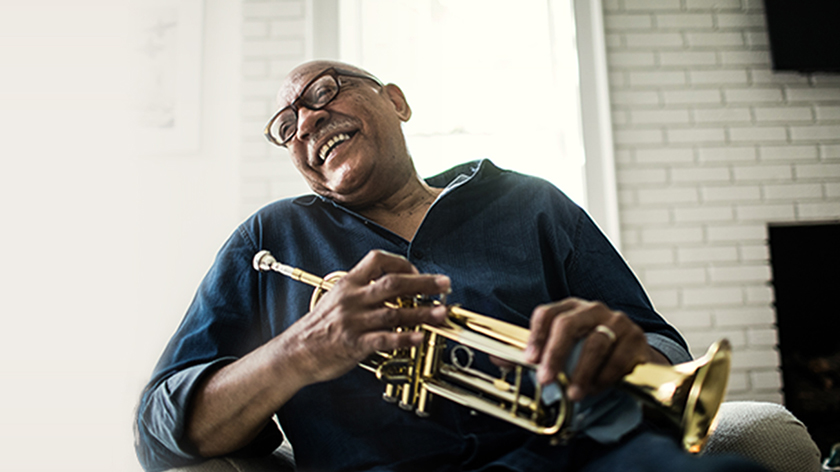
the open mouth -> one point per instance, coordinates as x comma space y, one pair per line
332, 144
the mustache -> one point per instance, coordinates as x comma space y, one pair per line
332, 127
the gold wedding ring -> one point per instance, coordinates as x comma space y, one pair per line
606, 331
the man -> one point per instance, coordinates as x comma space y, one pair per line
515, 248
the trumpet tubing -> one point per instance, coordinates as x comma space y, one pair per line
688, 395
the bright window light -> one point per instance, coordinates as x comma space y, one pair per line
484, 79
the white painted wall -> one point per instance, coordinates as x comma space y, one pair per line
276, 37
101, 249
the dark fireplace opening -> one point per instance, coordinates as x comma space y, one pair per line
805, 260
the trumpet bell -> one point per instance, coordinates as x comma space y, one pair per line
689, 395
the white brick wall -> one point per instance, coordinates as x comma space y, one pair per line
274, 40
711, 145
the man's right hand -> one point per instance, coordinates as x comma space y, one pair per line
351, 320
232, 405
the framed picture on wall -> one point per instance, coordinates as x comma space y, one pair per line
166, 95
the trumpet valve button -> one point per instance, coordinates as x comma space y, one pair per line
501, 384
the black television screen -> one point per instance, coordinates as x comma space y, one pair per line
804, 34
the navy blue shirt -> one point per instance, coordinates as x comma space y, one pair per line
509, 242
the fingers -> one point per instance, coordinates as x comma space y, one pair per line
605, 360
387, 318
391, 286
389, 340
378, 263
612, 344
561, 325
393, 276
541, 321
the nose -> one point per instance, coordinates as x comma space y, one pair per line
309, 120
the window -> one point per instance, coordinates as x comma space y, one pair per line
495, 80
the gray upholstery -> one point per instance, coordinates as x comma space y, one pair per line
281, 461
765, 432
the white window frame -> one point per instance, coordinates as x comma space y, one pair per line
596, 119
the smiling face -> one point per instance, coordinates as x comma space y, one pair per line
351, 150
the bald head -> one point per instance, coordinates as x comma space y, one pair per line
296, 79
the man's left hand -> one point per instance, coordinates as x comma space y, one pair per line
612, 347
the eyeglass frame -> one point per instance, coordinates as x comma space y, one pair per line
335, 72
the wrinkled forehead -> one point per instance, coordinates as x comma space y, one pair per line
299, 77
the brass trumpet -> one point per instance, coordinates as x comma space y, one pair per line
688, 395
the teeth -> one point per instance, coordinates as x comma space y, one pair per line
326, 148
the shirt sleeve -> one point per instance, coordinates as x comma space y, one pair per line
669, 348
596, 271
222, 324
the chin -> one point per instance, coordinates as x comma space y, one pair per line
347, 182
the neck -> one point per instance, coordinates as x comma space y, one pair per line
404, 210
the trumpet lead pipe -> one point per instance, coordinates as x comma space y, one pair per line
265, 262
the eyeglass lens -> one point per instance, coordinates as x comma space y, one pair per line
316, 96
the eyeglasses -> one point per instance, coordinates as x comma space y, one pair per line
317, 94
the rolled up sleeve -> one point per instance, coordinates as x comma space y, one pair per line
161, 422
675, 353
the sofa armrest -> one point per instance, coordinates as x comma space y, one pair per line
764, 432
768, 434
281, 460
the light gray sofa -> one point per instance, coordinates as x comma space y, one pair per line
764, 432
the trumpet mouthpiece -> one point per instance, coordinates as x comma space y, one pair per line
263, 261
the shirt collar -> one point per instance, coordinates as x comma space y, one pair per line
458, 175
448, 180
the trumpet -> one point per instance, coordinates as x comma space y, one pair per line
687, 395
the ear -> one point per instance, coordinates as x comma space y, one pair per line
396, 96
